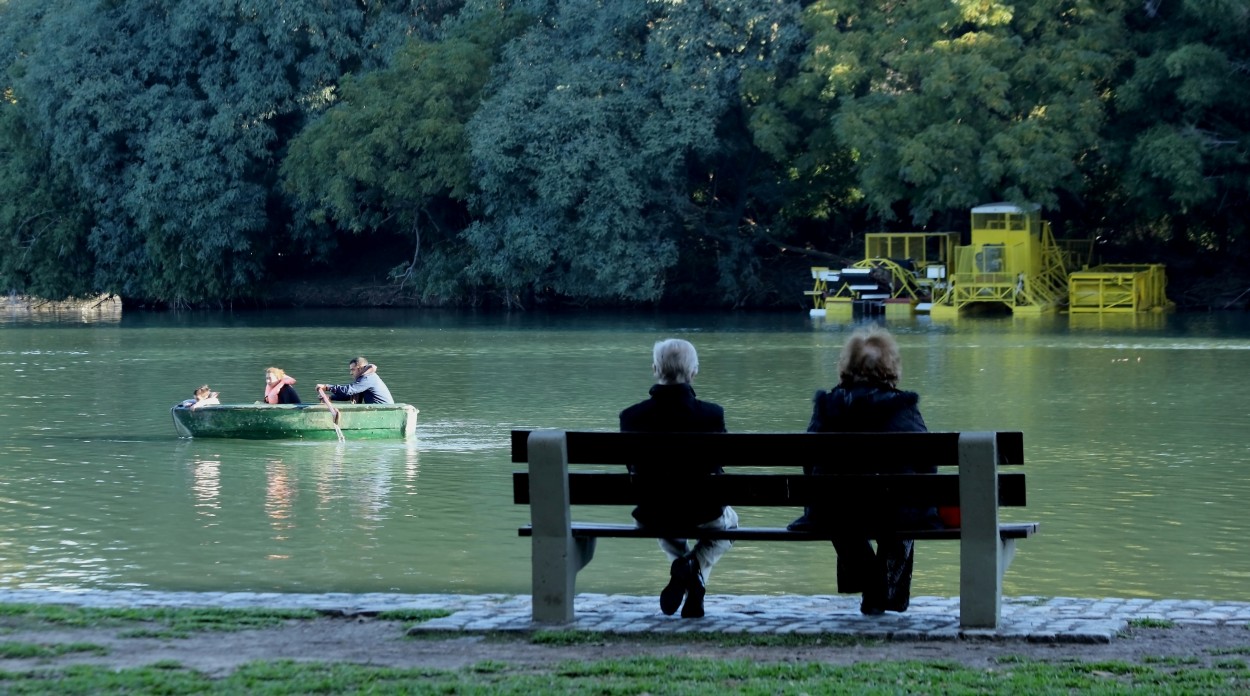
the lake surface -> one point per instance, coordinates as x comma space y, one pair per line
1134, 430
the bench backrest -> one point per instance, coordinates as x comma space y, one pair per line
747, 457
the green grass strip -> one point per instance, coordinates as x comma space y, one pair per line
147, 622
719, 639
24, 651
645, 676
1151, 623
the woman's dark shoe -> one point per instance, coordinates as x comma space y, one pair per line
695, 591
898, 605
675, 590
870, 609
873, 603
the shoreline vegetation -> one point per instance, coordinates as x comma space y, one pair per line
554, 153
109, 307
78, 650
102, 307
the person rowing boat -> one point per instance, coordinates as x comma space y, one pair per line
366, 386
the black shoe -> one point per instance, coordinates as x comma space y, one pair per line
802, 524
898, 605
869, 609
873, 604
675, 590
695, 591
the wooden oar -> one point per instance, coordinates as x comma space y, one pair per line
334, 413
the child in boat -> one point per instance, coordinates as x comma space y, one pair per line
203, 397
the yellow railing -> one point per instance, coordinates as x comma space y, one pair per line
1009, 274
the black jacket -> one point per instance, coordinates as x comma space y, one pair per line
288, 395
868, 407
673, 408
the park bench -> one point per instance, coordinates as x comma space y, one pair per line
562, 546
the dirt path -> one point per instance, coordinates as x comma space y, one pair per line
385, 643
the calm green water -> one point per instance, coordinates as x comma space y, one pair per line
1134, 437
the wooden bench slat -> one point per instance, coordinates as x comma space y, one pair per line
768, 449
1015, 530
776, 489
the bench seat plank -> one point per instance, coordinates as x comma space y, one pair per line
775, 490
768, 449
1010, 530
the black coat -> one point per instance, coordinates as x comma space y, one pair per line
288, 395
867, 407
673, 408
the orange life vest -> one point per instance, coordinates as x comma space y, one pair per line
272, 390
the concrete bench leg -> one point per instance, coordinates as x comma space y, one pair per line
982, 556
557, 556
1008, 554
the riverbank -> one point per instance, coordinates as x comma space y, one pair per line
1035, 619
170, 649
476, 629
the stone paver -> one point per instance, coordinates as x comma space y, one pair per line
1046, 619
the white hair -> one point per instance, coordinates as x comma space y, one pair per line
674, 361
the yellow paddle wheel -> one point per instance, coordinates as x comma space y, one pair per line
900, 273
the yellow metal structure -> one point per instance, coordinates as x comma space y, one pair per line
1118, 288
1012, 261
899, 271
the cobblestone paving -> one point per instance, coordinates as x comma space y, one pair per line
1053, 619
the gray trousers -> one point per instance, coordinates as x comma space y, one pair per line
707, 551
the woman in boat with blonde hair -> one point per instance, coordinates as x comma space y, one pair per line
278, 389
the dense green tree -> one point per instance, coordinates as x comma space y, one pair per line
945, 105
808, 188
189, 151
603, 120
1181, 136
43, 226
392, 153
170, 117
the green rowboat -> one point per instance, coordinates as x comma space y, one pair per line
285, 421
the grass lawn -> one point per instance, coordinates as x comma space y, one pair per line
1225, 672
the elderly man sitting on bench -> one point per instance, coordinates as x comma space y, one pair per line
674, 408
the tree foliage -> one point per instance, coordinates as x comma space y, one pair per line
43, 227
947, 105
1181, 136
603, 120
190, 152
392, 152
169, 117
